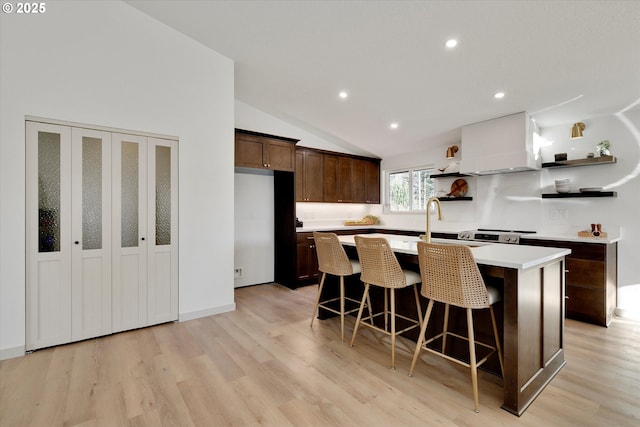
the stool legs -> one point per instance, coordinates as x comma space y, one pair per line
342, 308
497, 337
365, 297
423, 330
315, 307
472, 359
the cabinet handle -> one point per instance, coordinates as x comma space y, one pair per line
76, 242
142, 238
309, 238
566, 271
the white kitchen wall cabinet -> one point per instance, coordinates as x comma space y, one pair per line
101, 232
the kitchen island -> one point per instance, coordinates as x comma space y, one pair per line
532, 280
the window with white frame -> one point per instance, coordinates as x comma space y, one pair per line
409, 189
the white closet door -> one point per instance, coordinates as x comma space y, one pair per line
91, 233
163, 230
48, 235
129, 231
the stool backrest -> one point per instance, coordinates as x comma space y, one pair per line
450, 275
332, 259
378, 262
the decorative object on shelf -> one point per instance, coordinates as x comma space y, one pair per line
453, 167
590, 189
560, 157
603, 148
451, 151
366, 220
576, 130
590, 155
459, 188
563, 185
596, 231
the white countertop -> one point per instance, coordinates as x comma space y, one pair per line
562, 237
496, 254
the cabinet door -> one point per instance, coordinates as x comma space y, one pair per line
48, 235
330, 178
358, 180
91, 233
249, 152
312, 176
344, 179
372, 181
280, 156
300, 197
129, 237
307, 262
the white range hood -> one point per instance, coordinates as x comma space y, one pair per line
499, 145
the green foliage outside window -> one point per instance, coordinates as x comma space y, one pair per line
409, 190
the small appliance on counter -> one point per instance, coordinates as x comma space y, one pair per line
298, 223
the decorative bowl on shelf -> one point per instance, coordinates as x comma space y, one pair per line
563, 185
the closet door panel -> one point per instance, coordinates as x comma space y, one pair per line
48, 235
91, 229
163, 226
129, 228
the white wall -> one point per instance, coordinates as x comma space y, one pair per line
250, 118
106, 63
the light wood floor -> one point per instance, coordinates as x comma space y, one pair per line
263, 365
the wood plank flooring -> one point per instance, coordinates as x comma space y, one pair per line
263, 365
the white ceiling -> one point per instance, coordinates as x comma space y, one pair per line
562, 61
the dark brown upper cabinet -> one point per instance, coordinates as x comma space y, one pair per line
262, 151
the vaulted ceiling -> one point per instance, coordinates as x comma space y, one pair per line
562, 61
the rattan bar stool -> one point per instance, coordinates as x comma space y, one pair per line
380, 267
450, 275
332, 259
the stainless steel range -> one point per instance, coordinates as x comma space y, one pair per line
495, 236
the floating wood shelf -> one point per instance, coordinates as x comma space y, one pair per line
448, 175
601, 160
581, 194
454, 199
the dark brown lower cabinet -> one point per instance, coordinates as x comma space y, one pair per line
590, 279
307, 259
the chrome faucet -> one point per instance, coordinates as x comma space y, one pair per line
427, 236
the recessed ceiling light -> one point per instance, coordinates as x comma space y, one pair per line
451, 43
343, 95
498, 95
393, 125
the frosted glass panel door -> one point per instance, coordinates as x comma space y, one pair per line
129, 281
163, 214
101, 231
91, 230
48, 235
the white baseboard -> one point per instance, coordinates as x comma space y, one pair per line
627, 314
11, 352
183, 317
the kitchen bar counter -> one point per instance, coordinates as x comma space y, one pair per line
494, 254
532, 280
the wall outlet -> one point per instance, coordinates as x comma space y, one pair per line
237, 273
